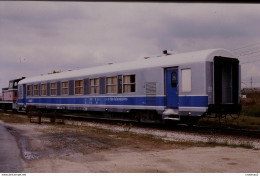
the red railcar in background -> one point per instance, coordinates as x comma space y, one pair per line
10, 95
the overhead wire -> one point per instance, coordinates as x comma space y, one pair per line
250, 61
251, 82
245, 46
248, 52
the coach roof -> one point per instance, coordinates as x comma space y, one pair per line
163, 61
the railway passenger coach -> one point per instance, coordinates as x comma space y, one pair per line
178, 87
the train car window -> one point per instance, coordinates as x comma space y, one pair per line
129, 83
36, 90
186, 80
29, 90
10, 84
94, 86
15, 84
79, 87
43, 89
174, 79
53, 89
111, 84
65, 88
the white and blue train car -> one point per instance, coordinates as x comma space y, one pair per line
174, 86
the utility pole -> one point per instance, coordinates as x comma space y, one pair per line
251, 82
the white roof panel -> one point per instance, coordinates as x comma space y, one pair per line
163, 61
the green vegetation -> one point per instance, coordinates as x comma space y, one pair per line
248, 119
251, 104
239, 122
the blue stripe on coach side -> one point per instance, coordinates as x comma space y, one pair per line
151, 101
184, 101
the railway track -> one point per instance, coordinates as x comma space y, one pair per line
171, 127
254, 134
235, 132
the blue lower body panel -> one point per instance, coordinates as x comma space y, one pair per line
193, 101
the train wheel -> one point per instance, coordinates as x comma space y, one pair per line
147, 116
190, 120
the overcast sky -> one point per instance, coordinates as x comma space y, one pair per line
39, 37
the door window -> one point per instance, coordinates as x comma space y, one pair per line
174, 79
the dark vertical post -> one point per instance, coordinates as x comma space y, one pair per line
53, 117
40, 117
251, 82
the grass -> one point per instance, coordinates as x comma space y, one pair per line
100, 139
251, 111
241, 122
246, 145
249, 117
251, 105
114, 139
13, 118
126, 138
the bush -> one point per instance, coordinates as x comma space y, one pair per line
251, 112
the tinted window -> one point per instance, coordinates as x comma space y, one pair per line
174, 79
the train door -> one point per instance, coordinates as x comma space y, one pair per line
172, 99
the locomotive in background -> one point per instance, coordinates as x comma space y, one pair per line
9, 99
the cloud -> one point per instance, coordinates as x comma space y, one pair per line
67, 35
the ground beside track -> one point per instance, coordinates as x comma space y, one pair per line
96, 147
10, 158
